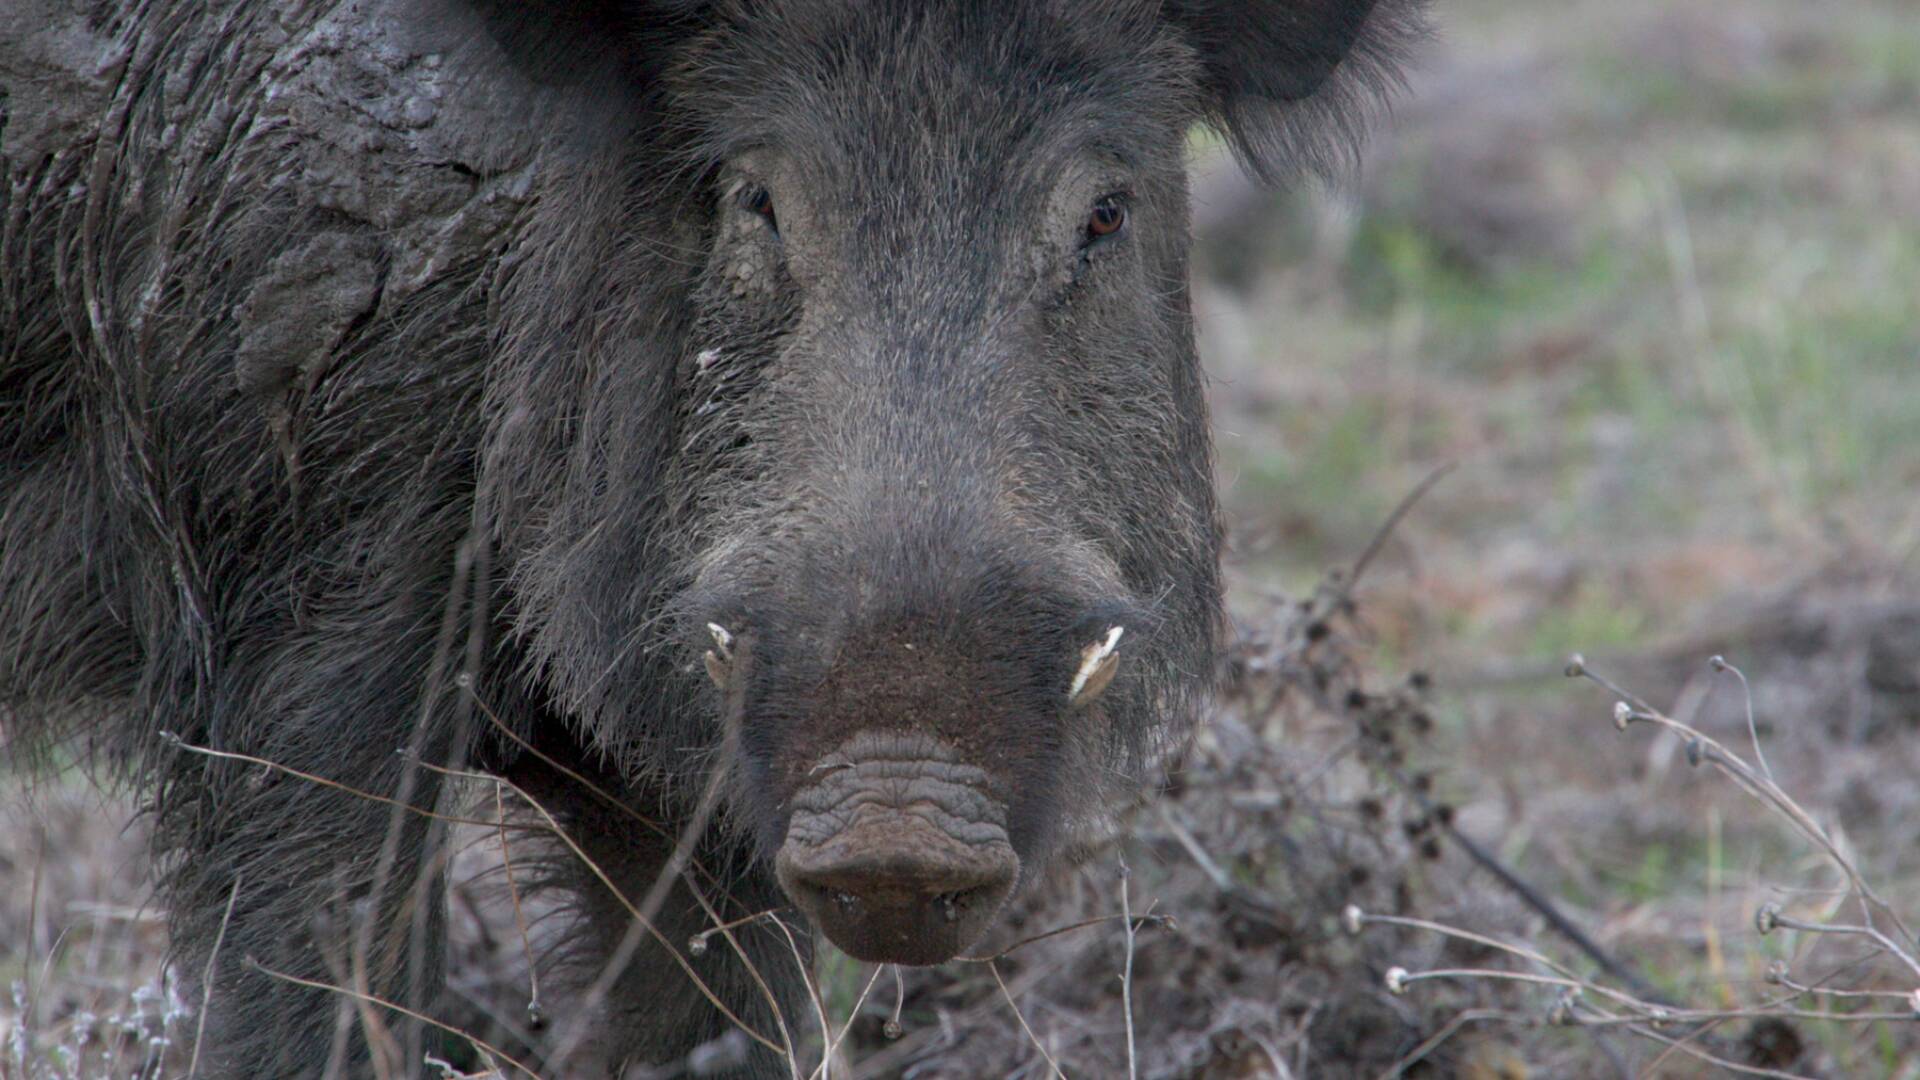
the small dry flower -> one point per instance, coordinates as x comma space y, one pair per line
1352, 919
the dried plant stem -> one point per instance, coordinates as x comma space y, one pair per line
1392, 523
1144, 919
1528, 894
1685, 1046
1447, 1031
1702, 747
725, 930
206, 980
1126, 975
373, 1000
683, 863
1053, 1066
513, 892
357, 793
646, 924
833, 1041
731, 924
586, 783
806, 977
1588, 1004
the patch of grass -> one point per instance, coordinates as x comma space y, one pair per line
1593, 619
1321, 483
1393, 263
841, 978
1830, 394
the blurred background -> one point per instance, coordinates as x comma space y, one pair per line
1649, 273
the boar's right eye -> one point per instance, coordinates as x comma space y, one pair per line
757, 201
1107, 217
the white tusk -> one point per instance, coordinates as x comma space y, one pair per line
719, 658
1098, 662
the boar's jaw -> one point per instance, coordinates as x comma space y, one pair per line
896, 852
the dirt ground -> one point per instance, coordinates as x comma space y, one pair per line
1646, 276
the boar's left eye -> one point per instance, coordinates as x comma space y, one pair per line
1108, 217
759, 202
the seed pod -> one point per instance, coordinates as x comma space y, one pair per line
1352, 919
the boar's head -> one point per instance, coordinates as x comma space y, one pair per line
851, 429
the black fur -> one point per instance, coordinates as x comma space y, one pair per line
352, 355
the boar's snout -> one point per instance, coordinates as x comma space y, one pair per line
898, 853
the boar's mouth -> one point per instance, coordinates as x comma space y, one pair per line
897, 851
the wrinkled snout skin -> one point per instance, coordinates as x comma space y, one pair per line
898, 851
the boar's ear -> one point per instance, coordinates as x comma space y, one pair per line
566, 42
1291, 83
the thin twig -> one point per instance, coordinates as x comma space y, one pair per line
372, 999
1052, 1065
1447, 1031
580, 853
358, 793
1145, 919
834, 1041
606, 797
1532, 897
1126, 975
1703, 747
812, 985
1753, 729
725, 930
519, 917
206, 981
1387, 527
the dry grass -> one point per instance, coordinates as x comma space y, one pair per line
1308, 904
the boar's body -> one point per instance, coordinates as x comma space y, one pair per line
782, 415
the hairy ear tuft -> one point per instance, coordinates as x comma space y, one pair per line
565, 42
1292, 84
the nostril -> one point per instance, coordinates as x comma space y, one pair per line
953, 905
919, 896
849, 891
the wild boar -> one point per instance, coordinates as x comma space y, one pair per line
766, 433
